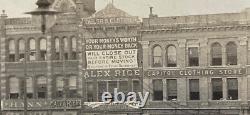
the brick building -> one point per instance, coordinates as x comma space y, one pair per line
190, 64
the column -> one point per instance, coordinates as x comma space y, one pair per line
164, 89
49, 67
146, 54
81, 80
181, 58
224, 84
182, 91
224, 57
203, 58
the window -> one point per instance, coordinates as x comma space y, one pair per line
74, 48
73, 87
231, 50
12, 50
41, 87
21, 49
157, 90
14, 88
43, 49
216, 52
90, 92
171, 89
171, 56
157, 57
136, 86
29, 86
59, 87
194, 89
232, 88
102, 87
32, 44
217, 89
193, 56
57, 49
66, 48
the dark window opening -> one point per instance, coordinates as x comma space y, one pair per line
157, 90
73, 93
65, 56
14, 95
29, 95
217, 89
232, 89
57, 56
231, 50
157, 57
193, 56
194, 89
21, 57
90, 92
41, 95
74, 55
172, 89
43, 55
102, 87
12, 57
59, 94
216, 54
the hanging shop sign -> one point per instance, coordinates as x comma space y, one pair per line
195, 72
107, 53
112, 73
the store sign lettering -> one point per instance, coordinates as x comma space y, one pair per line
65, 104
195, 72
112, 73
111, 20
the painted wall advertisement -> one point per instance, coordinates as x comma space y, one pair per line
108, 53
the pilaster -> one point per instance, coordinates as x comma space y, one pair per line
181, 58
49, 66
146, 54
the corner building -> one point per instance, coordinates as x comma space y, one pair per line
196, 65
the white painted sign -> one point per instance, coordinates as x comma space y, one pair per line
106, 59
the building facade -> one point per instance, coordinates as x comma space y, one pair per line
190, 65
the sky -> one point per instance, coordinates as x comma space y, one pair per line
16, 8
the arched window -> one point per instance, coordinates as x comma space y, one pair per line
21, 49
29, 86
32, 44
231, 50
171, 56
43, 49
41, 87
59, 86
12, 50
216, 54
74, 48
72, 86
157, 56
57, 49
66, 48
14, 88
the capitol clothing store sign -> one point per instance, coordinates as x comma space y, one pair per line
109, 53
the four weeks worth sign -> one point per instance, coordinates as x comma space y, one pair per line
108, 53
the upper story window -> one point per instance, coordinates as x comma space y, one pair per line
57, 49
194, 89
14, 88
232, 88
32, 48
59, 87
171, 89
193, 56
72, 86
66, 48
74, 48
216, 54
12, 50
41, 87
43, 49
217, 89
157, 56
21, 45
171, 56
231, 51
29, 86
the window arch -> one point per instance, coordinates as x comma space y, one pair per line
21, 44
14, 88
66, 48
57, 49
59, 86
216, 54
43, 49
12, 50
157, 56
74, 48
171, 56
231, 51
41, 87
32, 48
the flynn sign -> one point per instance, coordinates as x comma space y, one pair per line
109, 53
195, 72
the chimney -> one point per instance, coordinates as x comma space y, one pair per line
151, 15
